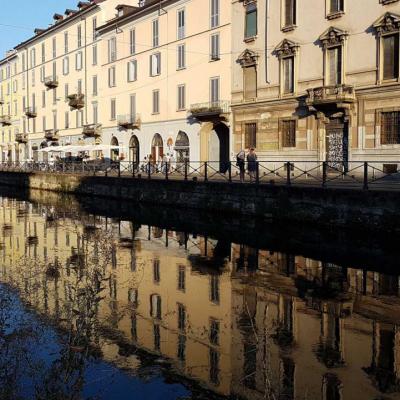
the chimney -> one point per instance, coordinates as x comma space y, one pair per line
38, 31
58, 17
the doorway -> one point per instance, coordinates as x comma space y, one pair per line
337, 144
114, 152
134, 154
219, 147
182, 147
157, 148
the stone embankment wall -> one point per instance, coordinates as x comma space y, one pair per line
325, 207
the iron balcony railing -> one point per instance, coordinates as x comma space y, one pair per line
21, 137
92, 130
129, 121
5, 120
51, 134
331, 94
31, 112
357, 175
51, 81
210, 108
76, 101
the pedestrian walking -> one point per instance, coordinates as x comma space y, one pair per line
240, 162
252, 164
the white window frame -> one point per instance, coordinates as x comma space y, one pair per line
181, 56
180, 24
155, 64
132, 70
215, 38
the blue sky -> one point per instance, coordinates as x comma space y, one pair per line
18, 18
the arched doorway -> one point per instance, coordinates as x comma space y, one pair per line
134, 154
182, 147
114, 155
45, 155
35, 154
157, 147
16, 149
219, 147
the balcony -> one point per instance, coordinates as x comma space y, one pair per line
76, 101
51, 82
21, 137
5, 120
129, 121
330, 94
30, 112
51, 134
214, 110
92, 130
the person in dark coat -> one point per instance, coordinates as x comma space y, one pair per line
252, 164
240, 162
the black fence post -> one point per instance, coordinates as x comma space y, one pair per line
149, 170
324, 171
165, 165
205, 172
365, 185
230, 171
186, 170
133, 169
288, 165
257, 173
119, 169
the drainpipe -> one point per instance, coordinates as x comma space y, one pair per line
266, 55
86, 92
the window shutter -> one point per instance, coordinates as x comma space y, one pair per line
250, 82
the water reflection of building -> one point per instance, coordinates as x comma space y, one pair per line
239, 320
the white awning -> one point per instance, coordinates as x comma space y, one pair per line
78, 148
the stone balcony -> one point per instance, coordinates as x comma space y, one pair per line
210, 111
76, 101
92, 130
5, 120
21, 137
330, 94
129, 121
51, 134
31, 112
51, 82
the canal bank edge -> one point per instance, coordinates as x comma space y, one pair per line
354, 209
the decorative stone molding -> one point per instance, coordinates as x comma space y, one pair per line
388, 23
247, 2
333, 37
384, 2
248, 58
286, 48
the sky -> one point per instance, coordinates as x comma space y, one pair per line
18, 18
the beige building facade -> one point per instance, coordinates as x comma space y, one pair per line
317, 80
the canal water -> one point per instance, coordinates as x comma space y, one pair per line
96, 305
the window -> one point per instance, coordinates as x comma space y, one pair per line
336, 6
155, 36
65, 42
112, 49
181, 24
214, 90
155, 306
132, 70
66, 119
132, 41
54, 120
181, 347
157, 337
94, 54
181, 278
214, 288
111, 76
181, 56
215, 47
155, 64
112, 109
334, 70
214, 15
94, 85
181, 317
288, 133
78, 61
289, 11
250, 82
32, 78
43, 53
181, 97
288, 75
79, 36
43, 123
390, 47
214, 332
43, 98
42, 73
65, 65
250, 135
156, 271
251, 21
54, 47
66, 92
132, 105
55, 96
156, 101
94, 27
95, 113
390, 127
214, 366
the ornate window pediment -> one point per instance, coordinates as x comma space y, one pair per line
248, 58
388, 23
286, 48
333, 37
